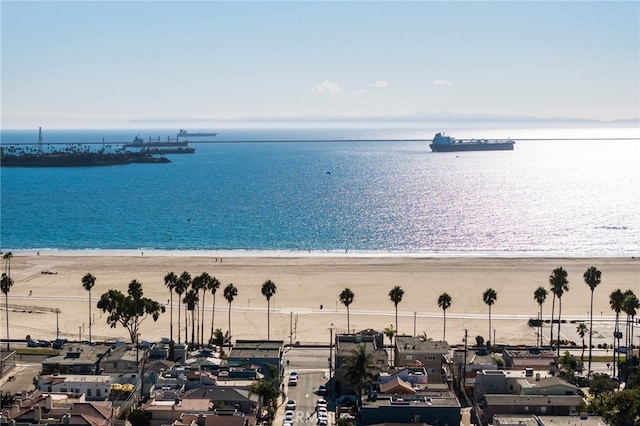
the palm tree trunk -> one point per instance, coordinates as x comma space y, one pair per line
179, 307
171, 315
396, 318
348, 325
615, 362
590, 334
559, 321
6, 310
193, 336
229, 322
213, 313
489, 338
202, 320
553, 309
186, 326
444, 331
268, 318
540, 325
89, 316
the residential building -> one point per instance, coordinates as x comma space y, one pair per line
345, 344
96, 388
259, 353
38, 407
430, 354
429, 406
123, 359
543, 359
77, 359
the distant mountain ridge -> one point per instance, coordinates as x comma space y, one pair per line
419, 116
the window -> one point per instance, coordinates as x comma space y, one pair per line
98, 392
408, 357
89, 392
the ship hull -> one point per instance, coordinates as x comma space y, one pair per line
470, 146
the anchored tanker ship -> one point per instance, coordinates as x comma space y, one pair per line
444, 143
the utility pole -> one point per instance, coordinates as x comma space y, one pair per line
464, 367
414, 324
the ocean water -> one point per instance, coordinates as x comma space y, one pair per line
375, 191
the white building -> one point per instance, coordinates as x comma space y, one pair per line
93, 387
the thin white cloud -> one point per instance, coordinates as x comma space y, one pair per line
380, 84
442, 83
360, 92
327, 87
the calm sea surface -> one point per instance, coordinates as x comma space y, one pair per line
283, 190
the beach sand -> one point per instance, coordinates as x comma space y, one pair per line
306, 307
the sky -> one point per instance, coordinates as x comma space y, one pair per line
93, 64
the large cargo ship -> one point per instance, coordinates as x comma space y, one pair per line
138, 142
444, 143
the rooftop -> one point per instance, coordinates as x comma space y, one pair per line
410, 344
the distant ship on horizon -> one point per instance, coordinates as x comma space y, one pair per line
183, 134
445, 143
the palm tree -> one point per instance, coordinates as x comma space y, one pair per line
180, 287
268, 389
88, 281
197, 284
540, 295
7, 262
390, 332
616, 302
213, 286
185, 283
592, 277
582, 331
346, 298
630, 307
559, 284
205, 285
444, 303
358, 371
230, 292
489, 297
191, 300
268, 290
5, 285
170, 281
395, 295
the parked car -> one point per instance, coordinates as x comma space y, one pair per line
293, 381
33, 343
322, 390
621, 349
44, 343
291, 405
58, 343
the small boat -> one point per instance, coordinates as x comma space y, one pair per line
444, 143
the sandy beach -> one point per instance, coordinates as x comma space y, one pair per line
306, 305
